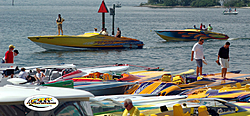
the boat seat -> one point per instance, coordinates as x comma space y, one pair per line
178, 111
247, 86
178, 79
202, 110
91, 75
166, 78
107, 76
47, 71
55, 74
238, 85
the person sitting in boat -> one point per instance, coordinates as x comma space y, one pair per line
230, 10
95, 30
204, 28
195, 27
39, 76
105, 32
209, 28
130, 109
23, 74
201, 26
101, 31
118, 34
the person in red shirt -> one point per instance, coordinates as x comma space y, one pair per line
201, 26
9, 55
9, 58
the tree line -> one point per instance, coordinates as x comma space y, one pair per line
200, 3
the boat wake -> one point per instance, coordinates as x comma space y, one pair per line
233, 38
237, 38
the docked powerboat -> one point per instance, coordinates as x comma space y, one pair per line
20, 100
88, 40
190, 35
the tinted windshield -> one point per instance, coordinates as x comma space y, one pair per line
65, 108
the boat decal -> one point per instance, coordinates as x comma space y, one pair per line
103, 42
88, 43
51, 38
41, 102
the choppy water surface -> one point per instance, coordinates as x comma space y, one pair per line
36, 17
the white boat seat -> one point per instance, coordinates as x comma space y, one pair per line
55, 74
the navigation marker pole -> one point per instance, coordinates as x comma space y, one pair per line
103, 9
112, 12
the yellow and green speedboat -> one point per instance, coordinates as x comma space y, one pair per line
88, 40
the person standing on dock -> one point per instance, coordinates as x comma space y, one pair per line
197, 53
223, 57
59, 21
130, 109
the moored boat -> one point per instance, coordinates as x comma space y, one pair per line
230, 13
88, 40
183, 107
19, 100
189, 35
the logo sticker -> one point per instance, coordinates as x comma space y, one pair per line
41, 102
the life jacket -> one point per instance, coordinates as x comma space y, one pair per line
59, 19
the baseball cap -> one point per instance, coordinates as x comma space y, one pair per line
11, 46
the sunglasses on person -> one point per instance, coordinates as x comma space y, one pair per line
126, 106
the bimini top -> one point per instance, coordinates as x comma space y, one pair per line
16, 93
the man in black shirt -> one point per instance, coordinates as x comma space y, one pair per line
223, 57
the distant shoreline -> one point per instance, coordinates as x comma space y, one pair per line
156, 6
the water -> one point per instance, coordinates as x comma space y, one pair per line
36, 17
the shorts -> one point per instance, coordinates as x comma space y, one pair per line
8, 72
224, 63
199, 62
59, 26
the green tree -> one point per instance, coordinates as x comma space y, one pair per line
170, 2
204, 3
185, 2
152, 1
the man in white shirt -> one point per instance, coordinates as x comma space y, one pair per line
23, 74
197, 53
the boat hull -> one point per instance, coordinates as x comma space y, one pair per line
230, 13
85, 41
112, 88
189, 35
